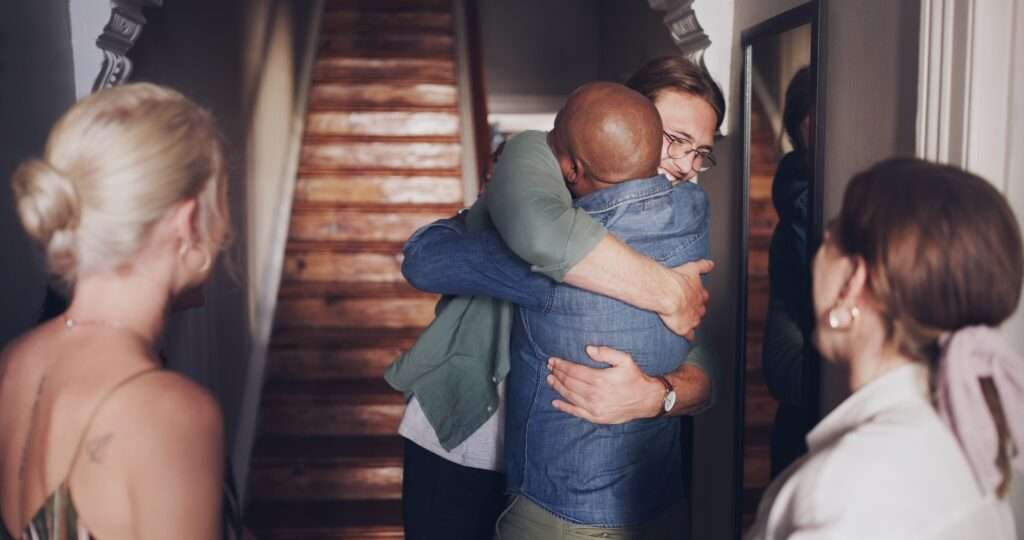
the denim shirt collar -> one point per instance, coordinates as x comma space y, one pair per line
628, 191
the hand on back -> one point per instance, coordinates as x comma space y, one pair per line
692, 298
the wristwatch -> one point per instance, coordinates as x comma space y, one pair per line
670, 396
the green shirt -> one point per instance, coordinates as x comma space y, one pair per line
454, 368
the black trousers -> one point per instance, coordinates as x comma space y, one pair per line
442, 500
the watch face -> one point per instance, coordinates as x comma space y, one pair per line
670, 401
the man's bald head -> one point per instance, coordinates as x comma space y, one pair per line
613, 132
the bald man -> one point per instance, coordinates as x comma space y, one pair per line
563, 472
606, 134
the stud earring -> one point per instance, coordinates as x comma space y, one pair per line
842, 317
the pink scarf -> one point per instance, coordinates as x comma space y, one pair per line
969, 355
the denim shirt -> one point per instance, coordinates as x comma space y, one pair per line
604, 475
586, 473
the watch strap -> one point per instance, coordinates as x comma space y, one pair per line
668, 390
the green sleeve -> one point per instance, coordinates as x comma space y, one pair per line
703, 358
529, 204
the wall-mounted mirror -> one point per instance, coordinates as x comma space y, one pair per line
778, 379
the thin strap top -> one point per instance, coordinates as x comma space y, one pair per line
57, 519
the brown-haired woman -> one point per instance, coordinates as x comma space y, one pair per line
923, 261
129, 204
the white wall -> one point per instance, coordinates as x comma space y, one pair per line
88, 17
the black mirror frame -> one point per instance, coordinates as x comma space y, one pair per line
813, 13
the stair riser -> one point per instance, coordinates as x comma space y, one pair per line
349, 21
380, 190
382, 95
359, 226
394, 43
346, 267
356, 312
388, 5
309, 417
370, 123
363, 533
760, 406
319, 364
322, 481
757, 466
363, 69
382, 155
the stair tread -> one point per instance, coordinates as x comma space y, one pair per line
324, 514
365, 391
306, 207
348, 19
341, 338
389, 5
360, 174
330, 246
377, 449
385, 54
339, 72
307, 171
341, 289
326, 139
343, 106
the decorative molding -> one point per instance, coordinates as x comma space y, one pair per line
682, 23
970, 111
710, 44
118, 37
964, 85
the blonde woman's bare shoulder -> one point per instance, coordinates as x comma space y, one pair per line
161, 438
166, 402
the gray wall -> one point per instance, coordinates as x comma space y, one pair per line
36, 87
215, 53
538, 47
630, 34
872, 41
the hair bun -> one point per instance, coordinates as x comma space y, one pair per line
49, 209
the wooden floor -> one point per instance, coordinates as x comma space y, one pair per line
380, 158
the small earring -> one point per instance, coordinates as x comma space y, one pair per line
842, 317
207, 259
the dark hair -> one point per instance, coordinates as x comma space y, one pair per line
682, 74
942, 248
799, 102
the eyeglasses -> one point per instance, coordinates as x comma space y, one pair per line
679, 148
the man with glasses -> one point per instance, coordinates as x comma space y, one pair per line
682, 148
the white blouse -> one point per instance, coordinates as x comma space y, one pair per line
882, 465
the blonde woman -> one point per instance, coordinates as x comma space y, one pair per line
128, 203
922, 262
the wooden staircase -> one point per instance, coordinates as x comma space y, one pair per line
760, 406
381, 156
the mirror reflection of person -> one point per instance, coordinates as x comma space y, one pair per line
922, 265
790, 320
453, 424
129, 204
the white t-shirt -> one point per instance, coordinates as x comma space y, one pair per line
484, 449
882, 465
